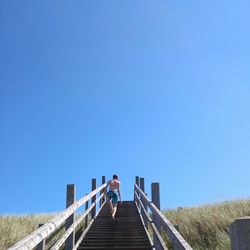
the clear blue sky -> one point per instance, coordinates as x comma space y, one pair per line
159, 89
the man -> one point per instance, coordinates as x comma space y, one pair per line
112, 194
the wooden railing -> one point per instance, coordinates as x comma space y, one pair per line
66, 230
156, 219
67, 219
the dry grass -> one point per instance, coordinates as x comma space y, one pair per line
13, 228
207, 227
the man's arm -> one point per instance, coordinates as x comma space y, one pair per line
119, 192
106, 188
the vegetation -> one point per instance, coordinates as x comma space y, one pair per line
14, 228
204, 228
207, 227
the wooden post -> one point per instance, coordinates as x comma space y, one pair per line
87, 217
240, 234
142, 187
137, 183
103, 179
146, 208
155, 188
93, 212
177, 227
70, 199
41, 245
155, 192
137, 180
101, 192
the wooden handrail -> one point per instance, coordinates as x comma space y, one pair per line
67, 233
142, 202
88, 227
175, 237
32, 240
155, 230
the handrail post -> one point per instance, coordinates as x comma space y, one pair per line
177, 227
155, 192
137, 183
142, 184
102, 191
240, 233
70, 199
41, 245
142, 187
137, 180
87, 216
93, 212
155, 188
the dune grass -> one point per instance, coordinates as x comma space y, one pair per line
207, 227
14, 228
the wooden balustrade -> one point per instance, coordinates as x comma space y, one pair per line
71, 229
146, 218
149, 212
42, 233
159, 221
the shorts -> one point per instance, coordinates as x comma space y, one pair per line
112, 195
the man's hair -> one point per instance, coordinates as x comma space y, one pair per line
115, 177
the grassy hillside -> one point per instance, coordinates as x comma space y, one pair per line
207, 227
13, 228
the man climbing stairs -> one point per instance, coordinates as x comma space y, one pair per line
125, 233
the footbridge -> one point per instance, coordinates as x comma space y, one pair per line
85, 224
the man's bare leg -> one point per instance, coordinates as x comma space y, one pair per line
110, 206
114, 211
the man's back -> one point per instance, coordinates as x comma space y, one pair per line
114, 185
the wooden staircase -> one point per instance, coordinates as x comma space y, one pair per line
125, 233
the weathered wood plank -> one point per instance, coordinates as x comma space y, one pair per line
160, 242
87, 217
102, 200
142, 187
137, 180
87, 229
239, 234
70, 199
71, 229
93, 211
175, 237
155, 192
41, 245
42, 233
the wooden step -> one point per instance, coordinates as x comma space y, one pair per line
116, 247
125, 233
